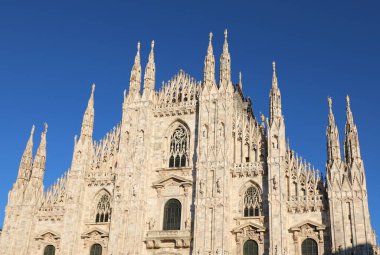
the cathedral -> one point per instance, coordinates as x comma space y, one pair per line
191, 170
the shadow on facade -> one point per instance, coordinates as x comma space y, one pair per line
194, 174
361, 249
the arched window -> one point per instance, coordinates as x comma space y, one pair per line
49, 250
309, 247
172, 215
252, 204
250, 248
179, 148
96, 249
103, 209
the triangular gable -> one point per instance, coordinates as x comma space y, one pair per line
95, 230
308, 222
47, 233
240, 228
175, 178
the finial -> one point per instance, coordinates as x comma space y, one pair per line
210, 37
93, 88
32, 131
225, 34
348, 100
240, 78
46, 127
274, 66
152, 45
138, 46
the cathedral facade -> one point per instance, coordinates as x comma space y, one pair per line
191, 170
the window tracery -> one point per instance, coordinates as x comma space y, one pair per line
103, 209
179, 147
252, 204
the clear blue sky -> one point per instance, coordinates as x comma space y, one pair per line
51, 52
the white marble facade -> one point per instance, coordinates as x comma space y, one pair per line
191, 170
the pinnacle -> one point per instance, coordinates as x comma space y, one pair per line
46, 127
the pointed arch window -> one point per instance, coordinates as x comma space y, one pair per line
179, 147
172, 215
309, 247
103, 209
96, 249
252, 204
250, 248
49, 250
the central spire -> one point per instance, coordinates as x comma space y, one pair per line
39, 162
351, 139
150, 73
26, 163
275, 98
333, 145
209, 68
135, 80
225, 64
88, 118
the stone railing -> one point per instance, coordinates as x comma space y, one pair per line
248, 169
180, 238
175, 109
299, 204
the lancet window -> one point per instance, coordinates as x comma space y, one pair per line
172, 215
103, 209
96, 249
179, 147
309, 247
252, 204
250, 248
49, 250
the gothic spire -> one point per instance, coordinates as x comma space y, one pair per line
209, 68
27, 159
275, 98
333, 146
88, 118
150, 73
135, 80
351, 140
40, 158
225, 64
